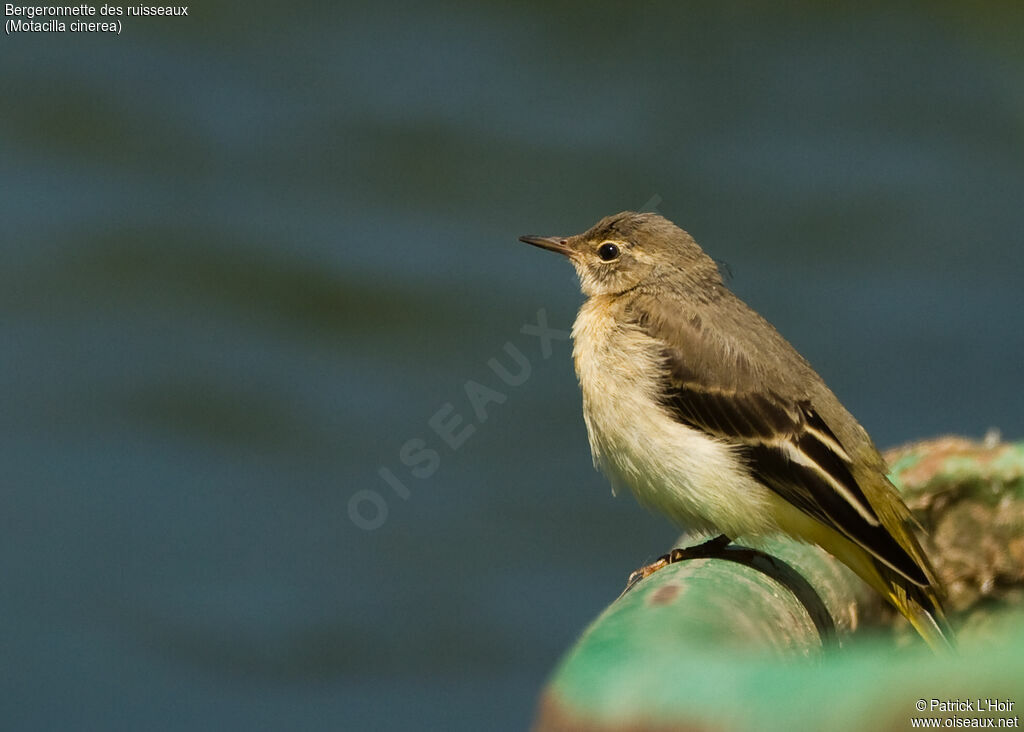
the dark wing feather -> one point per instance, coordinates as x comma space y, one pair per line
788, 446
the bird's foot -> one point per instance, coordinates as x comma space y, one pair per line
710, 548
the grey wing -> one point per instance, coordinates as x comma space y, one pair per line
788, 446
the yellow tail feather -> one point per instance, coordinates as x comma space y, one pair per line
930, 623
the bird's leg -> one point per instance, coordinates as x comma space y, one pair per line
710, 548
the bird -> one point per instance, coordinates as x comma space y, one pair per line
700, 407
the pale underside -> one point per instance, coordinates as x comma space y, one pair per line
694, 479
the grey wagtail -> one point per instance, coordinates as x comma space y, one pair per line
712, 418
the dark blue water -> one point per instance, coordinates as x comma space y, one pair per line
250, 256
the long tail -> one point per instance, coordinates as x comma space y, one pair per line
922, 606
918, 600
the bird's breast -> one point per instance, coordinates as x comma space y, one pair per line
670, 467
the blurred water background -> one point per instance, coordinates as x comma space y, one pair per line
250, 254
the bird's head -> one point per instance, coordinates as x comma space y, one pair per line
632, 250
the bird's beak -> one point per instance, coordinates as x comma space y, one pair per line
552, 243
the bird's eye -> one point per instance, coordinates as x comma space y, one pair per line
608, 251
